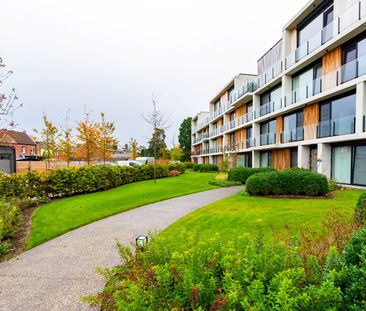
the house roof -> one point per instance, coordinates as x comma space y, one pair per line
16, 137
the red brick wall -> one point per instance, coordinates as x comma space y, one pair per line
18, 150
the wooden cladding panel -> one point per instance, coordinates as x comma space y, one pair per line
279, 129
331, 61
240, 136
219, 161
281, 159
311, 120
293, 39
219, 122
224, 97
242, 110
219, 141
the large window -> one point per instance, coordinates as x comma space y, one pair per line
270, 101
250, 141
244, 160
307, 83
315, 30
268, 133
266, 159
337, 117
349, 164
354, 59
250, 111
293, 157
293, 127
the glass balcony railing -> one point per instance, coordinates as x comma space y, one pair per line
272, 72
267, 139
268, 108
336, 127
250, 142
232, 124
296, 134
343, 74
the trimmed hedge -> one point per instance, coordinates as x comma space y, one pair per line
288, 182
74, 180
360, 210
241, 174
205, 168
188, 165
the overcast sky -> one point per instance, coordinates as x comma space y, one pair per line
111, 55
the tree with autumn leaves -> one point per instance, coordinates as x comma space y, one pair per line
94, 140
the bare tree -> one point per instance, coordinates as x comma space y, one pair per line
158, 120
8, 102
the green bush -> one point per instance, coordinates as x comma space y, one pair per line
221, 181
10, 218
206, 168
188, 165
241, 174
204, 274
360, 211
74, 180
196, 167
353, 263
177, 166
288, 182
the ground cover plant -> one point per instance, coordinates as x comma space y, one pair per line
61, 216
10, 218
248, 253
221, 180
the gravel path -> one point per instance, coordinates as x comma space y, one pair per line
54, 275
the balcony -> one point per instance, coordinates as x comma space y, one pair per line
250, 142
268, 108
336, 127
267, 139
338, 76
293, 135
217, 149
271, 73
231, 125
339, 25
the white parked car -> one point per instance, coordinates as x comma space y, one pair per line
145, 160
127, 163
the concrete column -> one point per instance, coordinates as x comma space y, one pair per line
324, 159
256, 158
286, 90
303, 157
360, 106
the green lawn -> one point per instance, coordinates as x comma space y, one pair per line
61, 216
240, 215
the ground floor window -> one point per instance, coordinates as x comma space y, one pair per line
266, 159
349, 164
244, 160
293, 158
214, 160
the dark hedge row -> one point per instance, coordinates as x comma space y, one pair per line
288, 182
74, 180
241, 174
205, 168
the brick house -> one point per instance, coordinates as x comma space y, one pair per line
23, 144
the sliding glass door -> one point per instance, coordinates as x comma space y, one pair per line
341, 164
360, 166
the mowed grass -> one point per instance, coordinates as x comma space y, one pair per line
61, 216
241, 215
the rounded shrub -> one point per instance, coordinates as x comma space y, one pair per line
177, 166
196, 167
288, 182
188, 165
241, 174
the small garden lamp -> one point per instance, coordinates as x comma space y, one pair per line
141, 241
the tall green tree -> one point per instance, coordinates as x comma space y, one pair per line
157, 144
184, 138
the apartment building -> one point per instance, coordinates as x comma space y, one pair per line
306, 105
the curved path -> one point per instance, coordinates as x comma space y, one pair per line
54, 275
